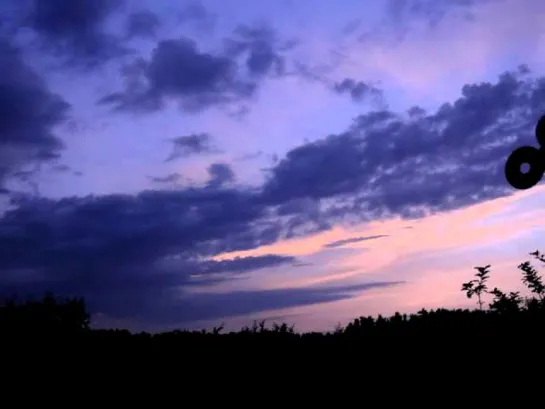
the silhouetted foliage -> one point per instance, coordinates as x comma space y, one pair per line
48, 316
531, 277
478, 286
510, 319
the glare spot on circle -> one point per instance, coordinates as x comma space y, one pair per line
525, 168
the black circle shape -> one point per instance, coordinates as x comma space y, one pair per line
525, 154
540, 132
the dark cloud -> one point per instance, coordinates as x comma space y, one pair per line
177, 70
404, 12
358, 90
260, 48
89, 33
146, 246
29, 115
194, 144
142, 23
195, 13
243, 264
207, 306
170, 178
301, 264
250, 156
340, 243
116, 228
317, 170
61, 168
410, 164
220, 174
138, 256
215, 306
76, 29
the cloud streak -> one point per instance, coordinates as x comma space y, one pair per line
340, 243
188, 145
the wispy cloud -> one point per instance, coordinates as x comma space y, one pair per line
340, 243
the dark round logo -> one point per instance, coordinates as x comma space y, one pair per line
532, 158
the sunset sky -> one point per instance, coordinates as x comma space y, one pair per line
183, 164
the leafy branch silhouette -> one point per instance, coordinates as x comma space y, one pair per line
478, 286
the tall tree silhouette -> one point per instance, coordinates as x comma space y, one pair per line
478, 286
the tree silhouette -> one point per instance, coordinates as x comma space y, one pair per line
478, 286
49, 315
511, 319
531, 278
505, 303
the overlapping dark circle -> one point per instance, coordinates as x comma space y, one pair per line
533, 157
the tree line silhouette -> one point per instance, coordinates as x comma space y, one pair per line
511, 320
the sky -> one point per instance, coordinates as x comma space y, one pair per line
186, 164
